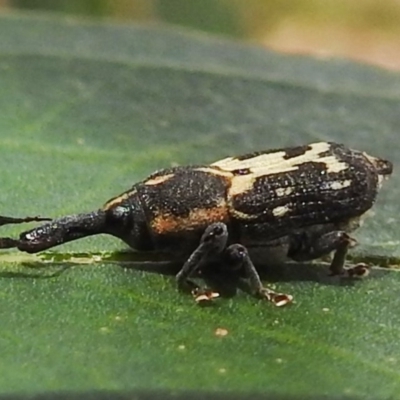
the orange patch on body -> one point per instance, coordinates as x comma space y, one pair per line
197, 218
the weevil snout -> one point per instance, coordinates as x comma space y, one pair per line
57, 232
34, 240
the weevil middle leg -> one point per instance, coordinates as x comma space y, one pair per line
238, 256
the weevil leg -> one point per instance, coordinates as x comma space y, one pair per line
344, 242
304, 247
238, 256
212, 243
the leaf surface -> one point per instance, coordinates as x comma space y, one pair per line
90, 108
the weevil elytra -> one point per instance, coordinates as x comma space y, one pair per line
302, 200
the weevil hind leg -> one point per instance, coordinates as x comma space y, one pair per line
305, 246
238, 257
338, 262
212, 244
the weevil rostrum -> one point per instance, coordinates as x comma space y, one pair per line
304, 200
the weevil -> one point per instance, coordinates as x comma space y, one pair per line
304, 201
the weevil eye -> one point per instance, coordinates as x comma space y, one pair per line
127, 222
118, 216
118, 212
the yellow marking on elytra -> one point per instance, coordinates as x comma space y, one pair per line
159, 179
338, 185
275, 163
241, 215
281, 192
241, 184
333, 165
280, 211
215, 171
118, 200
272, 163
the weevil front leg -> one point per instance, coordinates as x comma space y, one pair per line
238, 257
212, 243
305, 246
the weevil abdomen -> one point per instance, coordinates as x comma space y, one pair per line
289, 189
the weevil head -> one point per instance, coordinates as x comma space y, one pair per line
125, 219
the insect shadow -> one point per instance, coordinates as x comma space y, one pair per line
216, 275
36, 270
222, 279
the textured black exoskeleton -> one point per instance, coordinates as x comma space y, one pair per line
303, 201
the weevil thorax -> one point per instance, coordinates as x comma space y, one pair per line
170, 209
179, 203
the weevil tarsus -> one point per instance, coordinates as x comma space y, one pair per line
306, 246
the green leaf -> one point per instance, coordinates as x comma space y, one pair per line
87, 109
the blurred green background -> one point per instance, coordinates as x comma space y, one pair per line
364, 30
88, 108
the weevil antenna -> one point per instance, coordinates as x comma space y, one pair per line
12, 220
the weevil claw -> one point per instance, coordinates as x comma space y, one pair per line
204, 297
360, 270
279, 299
